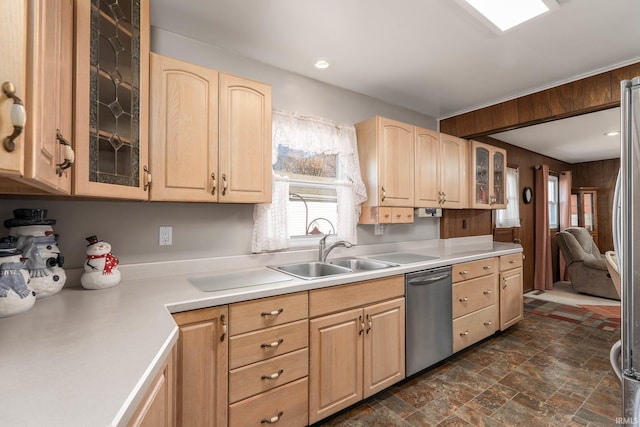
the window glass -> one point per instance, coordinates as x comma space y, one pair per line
510, 217
553, 202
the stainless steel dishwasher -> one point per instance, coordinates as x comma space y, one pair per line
429, 330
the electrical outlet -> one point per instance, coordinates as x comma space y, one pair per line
378, 229
166, 235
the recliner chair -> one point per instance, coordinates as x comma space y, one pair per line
587, 267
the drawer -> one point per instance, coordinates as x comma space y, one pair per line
263, 376
264, 313
286, 405
473, 269
338, 298
472, 295
507, 262
402, 215
260, 345
473, 327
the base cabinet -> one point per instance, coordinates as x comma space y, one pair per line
511, 294
158, 406
202, 367
356, 352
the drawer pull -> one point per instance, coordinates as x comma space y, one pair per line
462, 334
487, 292
488, 323
273, 376
513, 261
464, 272
464, 299
223, 323
272, 313
272, 420
273, 344
487, 267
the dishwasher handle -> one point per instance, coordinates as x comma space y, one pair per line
427, 280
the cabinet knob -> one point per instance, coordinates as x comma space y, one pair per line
488, 323
462, 334
463, 272
272, 420
68, 156
513, 261
464, 299
18, 116
487, 267
487, 292
273, 376
272, 313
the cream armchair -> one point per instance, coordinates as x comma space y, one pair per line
587, 267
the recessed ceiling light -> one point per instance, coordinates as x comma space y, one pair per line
612, 133
322, 64
506, 14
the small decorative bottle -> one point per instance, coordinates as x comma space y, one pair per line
101, 268
15, 294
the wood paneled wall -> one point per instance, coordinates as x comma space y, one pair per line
602, 175
593, 93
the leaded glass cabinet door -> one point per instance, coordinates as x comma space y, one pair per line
482, 190
499, 164
112, 71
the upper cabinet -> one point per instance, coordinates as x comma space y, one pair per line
37, 42
488, 176
111, 98
386, 153
210, 133
454, 165
441, 170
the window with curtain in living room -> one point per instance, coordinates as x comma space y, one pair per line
317, 187
510, 217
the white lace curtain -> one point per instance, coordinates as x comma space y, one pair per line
312, 134
510, 217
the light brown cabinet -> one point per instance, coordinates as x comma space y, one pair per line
488, 176
386, 152
268, 358
37, 45
475, 301
157, 408
441, 170
356, 344
202, 367
511, 292
210, 133
111, 99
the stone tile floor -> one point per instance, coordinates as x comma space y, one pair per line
543, 371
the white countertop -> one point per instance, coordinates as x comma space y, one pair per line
86, 358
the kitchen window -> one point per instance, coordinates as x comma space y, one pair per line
554, 222
317, 187
510, 216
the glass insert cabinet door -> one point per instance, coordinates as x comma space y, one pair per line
498, 178
482, 188
112, 97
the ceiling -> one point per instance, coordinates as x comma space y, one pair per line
430, 56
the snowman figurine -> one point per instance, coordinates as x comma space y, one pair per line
15, 294
101, 268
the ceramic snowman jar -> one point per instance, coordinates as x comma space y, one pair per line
101, 268
15, 294
39, 245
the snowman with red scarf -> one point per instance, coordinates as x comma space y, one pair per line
101, 268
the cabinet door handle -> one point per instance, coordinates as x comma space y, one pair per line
489, 323
487, 292
464, 299
68, 156
361, 325
369, 323
213, 184
274, 344
18, 116
223, 323
147, 173
383, 194
273, 376
462, 334
224, 184
272, 420
272, 313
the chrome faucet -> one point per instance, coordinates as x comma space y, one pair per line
323, 251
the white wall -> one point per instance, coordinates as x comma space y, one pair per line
203, 230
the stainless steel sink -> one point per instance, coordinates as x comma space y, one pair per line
361, 264
311, 270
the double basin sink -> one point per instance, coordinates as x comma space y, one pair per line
316, 270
